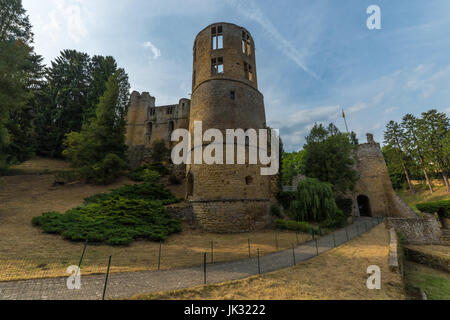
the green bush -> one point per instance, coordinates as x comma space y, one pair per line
285, 199
145, 191
338, 220
139, 174
346, 205
276, 211
117, 218
442, 208
117, 221
295, 226
105, 171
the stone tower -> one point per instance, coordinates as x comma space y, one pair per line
374, 194
227, 198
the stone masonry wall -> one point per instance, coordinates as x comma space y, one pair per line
417, 231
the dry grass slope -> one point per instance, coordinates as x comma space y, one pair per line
337, 274
26, 252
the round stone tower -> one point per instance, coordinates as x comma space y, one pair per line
227, 197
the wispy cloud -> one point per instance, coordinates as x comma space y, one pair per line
67, 17
156, 53
251, 11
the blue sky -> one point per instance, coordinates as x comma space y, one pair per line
314, 58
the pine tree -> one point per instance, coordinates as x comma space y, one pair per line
98, 151
394, 138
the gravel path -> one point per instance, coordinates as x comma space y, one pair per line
124, 285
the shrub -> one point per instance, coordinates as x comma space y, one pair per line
117, 221
160, 152
346, 205
276, 211
285, 199
338, 220
139, 174
442, 208
64, 177
295, 226
145, 191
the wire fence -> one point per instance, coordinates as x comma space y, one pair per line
95, 273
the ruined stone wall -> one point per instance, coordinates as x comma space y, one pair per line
376, 184
148, 124
418, 231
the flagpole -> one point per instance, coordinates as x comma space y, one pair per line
345, 120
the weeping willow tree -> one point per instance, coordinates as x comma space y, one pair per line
315, 201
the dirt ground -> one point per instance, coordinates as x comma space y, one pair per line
339, 274
26, 252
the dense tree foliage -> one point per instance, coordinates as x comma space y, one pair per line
16, 72
40, 106
419, 145
99, 149
291, 166
329, 157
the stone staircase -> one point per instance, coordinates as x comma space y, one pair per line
445, 238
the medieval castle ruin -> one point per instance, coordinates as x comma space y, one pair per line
225, 95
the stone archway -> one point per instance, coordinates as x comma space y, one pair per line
364, 206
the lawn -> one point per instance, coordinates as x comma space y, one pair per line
27, 252
339, 274
423, 195
436, 284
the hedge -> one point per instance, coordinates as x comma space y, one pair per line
295, 226
440, 207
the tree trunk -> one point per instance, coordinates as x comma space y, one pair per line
407, 179
445, 176
428, 181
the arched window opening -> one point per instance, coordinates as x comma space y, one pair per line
149, 131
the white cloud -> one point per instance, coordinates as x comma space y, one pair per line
156, 53
67, 19
390, 110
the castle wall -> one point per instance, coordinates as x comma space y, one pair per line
375, 183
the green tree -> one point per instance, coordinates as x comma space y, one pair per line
15, 52
329, 157
315, 201
414, 145
98, 151
394, 138
291, 166
434, 130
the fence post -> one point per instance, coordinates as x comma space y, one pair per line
106, 279
293, 254
312, 232
204, 268
159, 255
249, 250
82, 255
276, 240
212, 251
317, 247
259, 264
